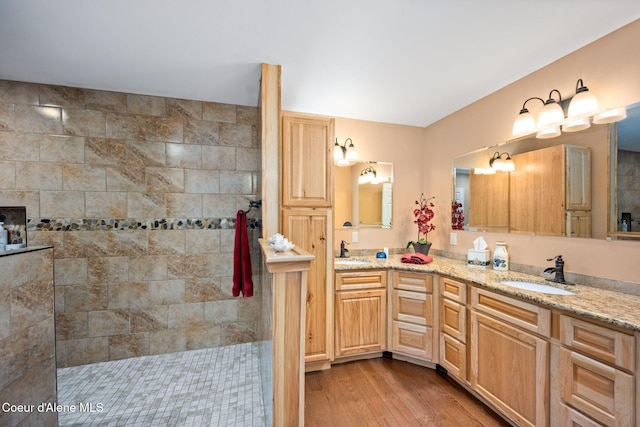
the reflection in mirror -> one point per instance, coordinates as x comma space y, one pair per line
624, 190
607, 201
363, 195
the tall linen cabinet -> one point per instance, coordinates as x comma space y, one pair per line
307, 220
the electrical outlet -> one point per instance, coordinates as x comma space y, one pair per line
354, 237
453, 238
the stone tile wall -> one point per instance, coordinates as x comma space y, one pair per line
138, 196
27, 339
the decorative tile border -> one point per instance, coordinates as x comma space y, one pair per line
110, 224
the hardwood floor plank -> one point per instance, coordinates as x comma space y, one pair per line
388, 393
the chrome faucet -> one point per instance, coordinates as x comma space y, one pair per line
344, 252
558, 270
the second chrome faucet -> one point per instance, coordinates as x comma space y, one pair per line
558, 270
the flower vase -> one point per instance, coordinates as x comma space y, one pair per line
422, 248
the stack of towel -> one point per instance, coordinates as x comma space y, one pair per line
416, 258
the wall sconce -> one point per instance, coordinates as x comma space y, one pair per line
497, 163
343, 155
582, 111
368, 175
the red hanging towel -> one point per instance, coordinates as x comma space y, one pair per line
241, 260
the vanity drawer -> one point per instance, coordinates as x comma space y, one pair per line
453, 319
453, 290
355, 280
519, 313
414, 307
453, 356
598, 390
411, 339
607, 345
570, 417
417, 282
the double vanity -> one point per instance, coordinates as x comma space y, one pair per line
555, 355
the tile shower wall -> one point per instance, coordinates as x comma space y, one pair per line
27, 347
138, 196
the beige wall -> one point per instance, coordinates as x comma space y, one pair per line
138, 196
422, 158
610, 67
404, 147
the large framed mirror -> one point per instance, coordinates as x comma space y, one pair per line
576, 185
364, 195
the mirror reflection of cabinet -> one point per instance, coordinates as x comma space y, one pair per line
489, 202
548, 188
549, 193
364, 204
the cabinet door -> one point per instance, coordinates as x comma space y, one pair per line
307, 167
307, 228
579, 223
598, 390
578, 165
510, 368
453, 356
361, 321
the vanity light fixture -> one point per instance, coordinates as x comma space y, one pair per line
525, 123
343, 155
497, 163
368, 175
584, 103
583, 107
551, 114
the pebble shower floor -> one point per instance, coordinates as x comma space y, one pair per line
211, 387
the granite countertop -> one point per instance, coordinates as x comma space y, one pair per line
615, 308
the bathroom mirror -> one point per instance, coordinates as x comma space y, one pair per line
624, 189
606, 195
363, 195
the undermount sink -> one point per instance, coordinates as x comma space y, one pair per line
350, 261
537, 287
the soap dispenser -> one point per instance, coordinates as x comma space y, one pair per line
3, 237
501, 257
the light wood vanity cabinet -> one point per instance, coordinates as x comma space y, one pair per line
412, 319
307, 161
596, 368
307, 220
308, 229
361, 312
510, 356
453, 327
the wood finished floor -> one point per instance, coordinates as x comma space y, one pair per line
387, 392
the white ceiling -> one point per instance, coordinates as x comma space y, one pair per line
398, 61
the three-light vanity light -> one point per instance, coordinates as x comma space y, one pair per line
583, 110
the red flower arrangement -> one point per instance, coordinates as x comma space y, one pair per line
457, 216
423, 214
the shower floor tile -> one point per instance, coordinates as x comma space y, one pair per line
211, 387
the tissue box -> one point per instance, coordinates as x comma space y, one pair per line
478, 258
